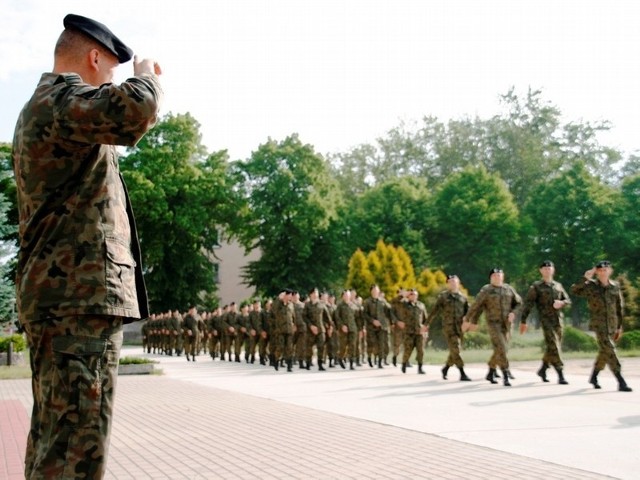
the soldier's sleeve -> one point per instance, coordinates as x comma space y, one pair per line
581, 287
529, 302
564, 296
110, 114
476, 308
619, 307
516, 302
435, 311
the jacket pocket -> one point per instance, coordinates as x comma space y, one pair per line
120, 274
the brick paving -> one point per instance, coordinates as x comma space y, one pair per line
167, 427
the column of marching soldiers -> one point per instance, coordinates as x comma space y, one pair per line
345, 332
287, 331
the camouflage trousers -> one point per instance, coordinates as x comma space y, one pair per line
498, 335
398, 340
552, 343
606, 353
347, 343
283, 346
74, 365
411, 341
453, 343
300, 343
377, 342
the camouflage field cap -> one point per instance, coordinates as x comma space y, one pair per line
100, 33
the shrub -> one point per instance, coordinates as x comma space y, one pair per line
630, 340
575, 340
135, 361
19, 343
476, 340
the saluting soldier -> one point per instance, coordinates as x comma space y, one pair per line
451, 306
604, 299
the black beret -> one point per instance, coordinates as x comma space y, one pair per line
495, 270
547, 263
101, 34
603, 263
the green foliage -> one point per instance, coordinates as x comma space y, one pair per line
135, 361
575, 340
476, 227
359, 277
19, 343
476, 340
289, 202
182, 199
630, 340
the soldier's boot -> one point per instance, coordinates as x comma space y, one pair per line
301, 364
276, 363
393, 360
505, 380
188, 359
246, 358
262, 362
308, 365
496, 374
542, 372
385, 361
193, 357
463, 376
561, 379
289, 365
282, 362
491, 376
331, 365
369, 360
420, 371
237, 358
594, 379
380, 363
444, 371
622, 385
510, 375
341, 362
253, 358
358, 364
320, 367
351, 367
404, 367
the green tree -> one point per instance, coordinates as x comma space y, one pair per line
395, 211
627, 227
359, 277
290, 201
181, 197
476, 227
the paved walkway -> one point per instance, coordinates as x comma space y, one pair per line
210, 420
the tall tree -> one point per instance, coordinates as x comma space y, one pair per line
476, 227
182, 200
290, 201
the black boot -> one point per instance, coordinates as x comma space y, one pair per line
622, 385
331, 365
308, 365
561, 379
491, 376
351, 364
463, 376
301, 364
542, 372
444, 371
505, 380
393, 360
404, 367
320, 367
384, 360
253, 358
380, 363
358, 364
193, 357
276, 363
369, 360
341, 362
237, 358
188, 359
420, 371
594, 379
289, 365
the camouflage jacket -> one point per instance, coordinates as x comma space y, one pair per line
376, 309
346, 314
496, 302
605, 304
318, 315
542, 295
415, 317
79, 251
451, 307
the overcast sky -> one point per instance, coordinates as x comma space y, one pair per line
343, 72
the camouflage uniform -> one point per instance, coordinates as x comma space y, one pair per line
397, 304
79, 274
606, 311
451, 307
377, 337
542, 295
255, 330
228, 324
345, 317
213, 331
497, 303
283, 332
191, 333
415, 317
316, 314
300, 335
